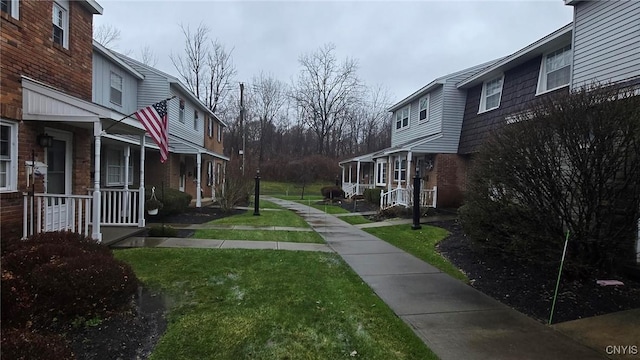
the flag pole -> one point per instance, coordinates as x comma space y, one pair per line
131, 115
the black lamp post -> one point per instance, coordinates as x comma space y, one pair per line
416, 200
256, 209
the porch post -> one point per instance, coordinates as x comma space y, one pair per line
390, 172
141, 219
199, 180
126, 203
344, 180
358, 178
95, 226
408, 168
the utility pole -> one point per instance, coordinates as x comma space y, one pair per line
244, 138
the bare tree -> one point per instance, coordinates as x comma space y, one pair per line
376, 129
325, 89
206, 66
107, 35
147, 56
269, 99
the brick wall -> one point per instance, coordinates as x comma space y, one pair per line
451, 176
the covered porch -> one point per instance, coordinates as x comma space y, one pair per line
358, 174
63, 183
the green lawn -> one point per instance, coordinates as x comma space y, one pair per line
266, 218
355, 219
328, 208
312, 198
257, 304
420, 243
260, 235
265, 204
291, 189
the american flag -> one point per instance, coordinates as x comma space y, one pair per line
154, 119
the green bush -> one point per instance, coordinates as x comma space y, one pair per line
332, 192
372, 195
158, 231
21, 344
57, 276
173, 201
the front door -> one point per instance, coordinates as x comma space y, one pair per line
58, 214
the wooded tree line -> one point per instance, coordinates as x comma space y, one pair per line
327, 110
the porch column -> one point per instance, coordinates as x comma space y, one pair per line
358, 178
95, 226
390, 172
199, 180
409, 167
126, 201
141, 219
343, 178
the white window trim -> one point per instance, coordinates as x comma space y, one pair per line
381, 178
210, 127
196, 117
120, 159
112, 74
483, 95
428, 108
12, 170
15, 9
219, 132
64, 5
181, 107
398, 169
542, 76
395, 118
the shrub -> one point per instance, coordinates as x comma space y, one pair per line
158, 231
21, 344
570, 163
173, 201
57, 276
372, 195
236, 188
332, 192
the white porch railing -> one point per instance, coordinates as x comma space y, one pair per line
119, 207
56, 212
353, 189
404, 197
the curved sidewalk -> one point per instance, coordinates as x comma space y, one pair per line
455, 320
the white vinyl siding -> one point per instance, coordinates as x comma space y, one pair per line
423, 110
606, 46
491, 94
195, 120
101, 85
115, 91
60, 20
8, 156
555, 70
402, 118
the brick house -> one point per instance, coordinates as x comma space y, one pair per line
50, 129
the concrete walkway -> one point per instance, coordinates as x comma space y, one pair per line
455, 320
167, 242
236, 227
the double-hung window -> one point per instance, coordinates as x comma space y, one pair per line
555, 70
8, 156
402, 118
400, 169
219, 132
181, 111
209, 173
218, 175
10, 7
210, 127
115, 168
115, 95
424, 108
491, 94
60, 18
195, 120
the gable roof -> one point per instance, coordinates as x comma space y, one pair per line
435, 83
548, 43
99, 48
172, 80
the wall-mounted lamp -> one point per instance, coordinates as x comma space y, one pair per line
45, 140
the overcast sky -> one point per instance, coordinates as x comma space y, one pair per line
399, 45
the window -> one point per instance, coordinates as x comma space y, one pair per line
402, 118
116, 89
8, 156
555, 70
181, 112
400, 169
210, 127
491, 94
60, 18
115, 168
424, 108
218, 174
219, 132
381, 173
209, 173
195, 119
10, 7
